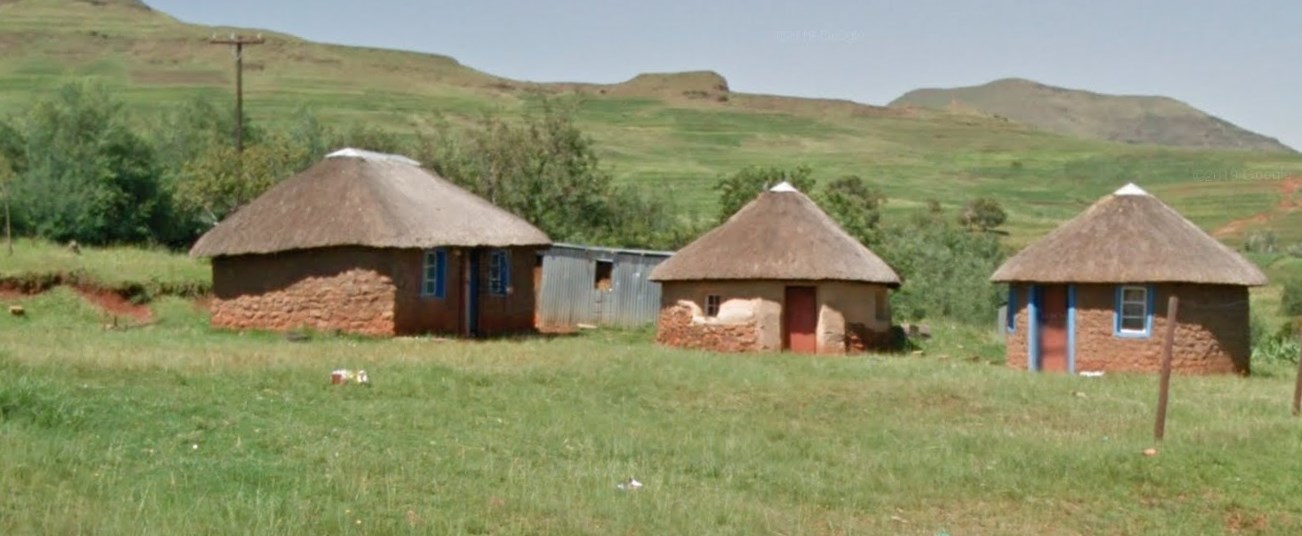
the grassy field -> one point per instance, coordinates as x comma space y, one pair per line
38, 263
173, 428
650, 131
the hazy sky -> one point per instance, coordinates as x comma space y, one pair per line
1241, 61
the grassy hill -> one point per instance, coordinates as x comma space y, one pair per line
1084, 114
675, 131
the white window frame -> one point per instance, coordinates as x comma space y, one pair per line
1145, 316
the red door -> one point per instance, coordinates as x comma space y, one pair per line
800, 320
1053, 328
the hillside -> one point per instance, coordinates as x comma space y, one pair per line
1084, 114
676, 132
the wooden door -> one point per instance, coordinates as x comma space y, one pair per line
1053, 328
800, 320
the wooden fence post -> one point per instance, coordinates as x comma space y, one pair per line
1164, 385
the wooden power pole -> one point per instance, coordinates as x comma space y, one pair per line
239, 42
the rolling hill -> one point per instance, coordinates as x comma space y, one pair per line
1084, 114
676, 132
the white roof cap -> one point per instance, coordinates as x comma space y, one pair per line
350, 152
1130, 189
784, 186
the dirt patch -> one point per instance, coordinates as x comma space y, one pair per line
1288, 190
115, 304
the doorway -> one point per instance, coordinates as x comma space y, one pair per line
800, 320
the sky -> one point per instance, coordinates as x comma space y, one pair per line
1240, 61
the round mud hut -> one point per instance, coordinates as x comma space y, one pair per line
373, 244
1092, 294
778, 275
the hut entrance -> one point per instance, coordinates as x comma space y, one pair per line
800, 320
470, 298
1053, 328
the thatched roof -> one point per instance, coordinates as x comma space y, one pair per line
360, 198
781, 235
1129, 237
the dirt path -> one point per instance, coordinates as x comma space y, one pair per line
1289, 202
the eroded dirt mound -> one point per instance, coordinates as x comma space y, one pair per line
115, 304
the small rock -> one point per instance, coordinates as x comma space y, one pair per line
17, 310
1150, 451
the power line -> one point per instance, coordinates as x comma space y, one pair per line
239, 42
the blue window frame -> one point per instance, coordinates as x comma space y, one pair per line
1010, 310
499, 272
1133, 312
434, 276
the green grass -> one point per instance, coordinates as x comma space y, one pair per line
118, 268
173, 428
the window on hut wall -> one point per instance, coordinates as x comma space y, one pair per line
1134, 311
712, 303
434, 276
499, 272
602, 274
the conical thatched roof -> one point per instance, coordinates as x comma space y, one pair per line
360, 198
1129, 237
783, 235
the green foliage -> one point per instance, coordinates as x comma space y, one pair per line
1260, 242
741, 187
219, 180
87, 175
982, 213
1273, 343
856, 206
945, 268
1290, 303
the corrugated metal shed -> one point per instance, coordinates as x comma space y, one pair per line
598, 286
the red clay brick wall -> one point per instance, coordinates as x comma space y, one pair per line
514, 312
346, 288
675, 328
1211, 336
426, 314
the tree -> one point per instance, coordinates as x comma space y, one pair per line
856, 206
219, 179
945, 268
982, 213
740, 188
87, 175
543, 169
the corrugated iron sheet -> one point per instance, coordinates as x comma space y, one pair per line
569, 295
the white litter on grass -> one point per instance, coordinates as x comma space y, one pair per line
1092, 374
345, 377
629, 485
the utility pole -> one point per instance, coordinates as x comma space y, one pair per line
239, 43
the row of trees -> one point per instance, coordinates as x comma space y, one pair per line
78, 165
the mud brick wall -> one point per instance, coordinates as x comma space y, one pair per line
676, 328
1211, 335
347, 289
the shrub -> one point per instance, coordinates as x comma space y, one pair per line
1291, 300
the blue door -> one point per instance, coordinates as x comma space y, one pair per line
472, 294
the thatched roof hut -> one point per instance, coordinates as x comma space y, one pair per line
372, 243
781, 235
1129, 236
779, 274
1093, 293
361, 198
